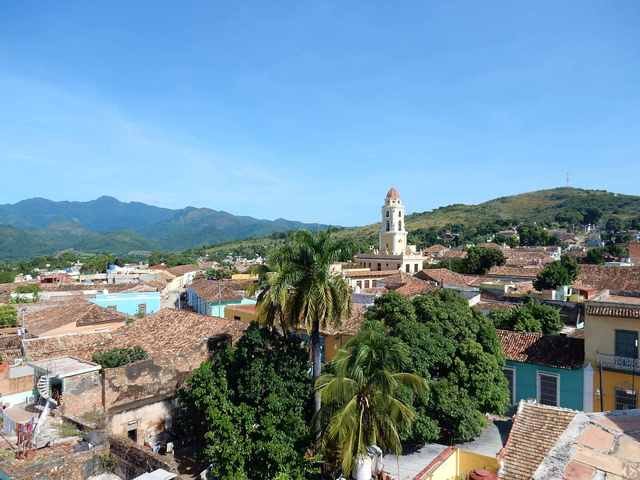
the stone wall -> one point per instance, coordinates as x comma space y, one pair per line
57, 463
139, 382
79, 345
132, 460
82, 394
138, 397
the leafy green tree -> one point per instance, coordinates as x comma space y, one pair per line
208, 416
479, 260
570, 217
534, 235
305, 290
558, 273
591, 215
8, 316
393, 308
531, 316
613, 225
595, 256
457, 351
361, 395
7, 276
117, 357
248, 410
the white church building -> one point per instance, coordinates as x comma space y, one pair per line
393, 251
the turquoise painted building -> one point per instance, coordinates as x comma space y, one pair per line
131, 303
210, 297
547, 368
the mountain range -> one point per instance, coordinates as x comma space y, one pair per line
38, 226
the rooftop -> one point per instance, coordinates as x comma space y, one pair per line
43, 319
65, 366
595, 445
217, 290
625, 279
553, 350
536, 429
174, 333
613, 309
446, 277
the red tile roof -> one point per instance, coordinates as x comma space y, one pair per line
611, 278
178, 334
610, 309
407, 285
217, 290
40, 319
444, 277
553, 350
512, 271
536, 429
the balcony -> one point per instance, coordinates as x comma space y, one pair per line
623, 364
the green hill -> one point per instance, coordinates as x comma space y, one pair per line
541, 207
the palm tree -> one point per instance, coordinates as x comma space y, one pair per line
300, 291
360, 397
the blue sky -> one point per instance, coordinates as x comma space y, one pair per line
311, 110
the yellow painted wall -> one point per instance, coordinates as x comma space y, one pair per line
468, 461
246, 316
448, 470
610, 381
244, 276
333, 343
599, 335
459, 464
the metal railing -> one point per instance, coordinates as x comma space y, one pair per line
614, 362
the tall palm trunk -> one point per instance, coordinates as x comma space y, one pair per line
316, 350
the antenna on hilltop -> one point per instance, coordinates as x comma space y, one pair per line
567, 179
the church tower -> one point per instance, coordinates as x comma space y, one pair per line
393, 236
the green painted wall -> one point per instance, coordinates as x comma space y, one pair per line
571, 383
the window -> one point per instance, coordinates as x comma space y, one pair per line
548, 389
400, 214
387, 213
359, 284
237, 317
400, 225
415, 268
366, 284
625, 400
379, 266
387, 226
510, 373
626, 343
408, 268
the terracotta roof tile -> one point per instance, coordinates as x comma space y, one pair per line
536, 428
174, 333
217, 290
553, 350
513, 271
43, 318
610, 278
407, 285
445, 277
610, 309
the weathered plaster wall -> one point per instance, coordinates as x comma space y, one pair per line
148, 421
82, 394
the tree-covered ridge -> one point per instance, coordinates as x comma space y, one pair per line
220, 233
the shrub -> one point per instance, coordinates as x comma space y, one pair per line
8, 316
118, 357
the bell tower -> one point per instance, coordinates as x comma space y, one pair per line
393, 236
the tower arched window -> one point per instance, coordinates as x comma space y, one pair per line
387, 213
387, 226
400, 225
